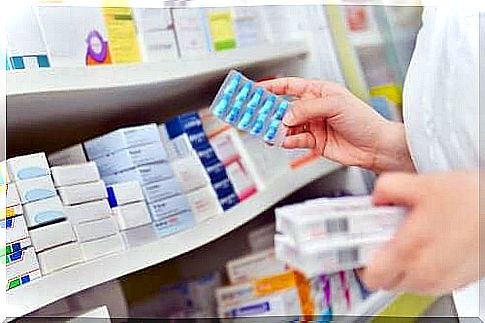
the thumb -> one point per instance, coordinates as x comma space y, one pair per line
304, 110
396, 189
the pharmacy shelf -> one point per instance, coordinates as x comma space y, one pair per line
39, 293
65, 93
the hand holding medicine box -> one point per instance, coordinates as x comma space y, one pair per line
242, 104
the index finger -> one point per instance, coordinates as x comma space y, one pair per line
294, 86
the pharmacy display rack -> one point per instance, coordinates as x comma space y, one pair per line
107, 89
39, 293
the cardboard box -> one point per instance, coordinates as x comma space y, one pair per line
68, 156
28, 166
156, 34
171, 206
43, 212
12, 195
204, 204
145, 174
75, 174
124, 193
35, 189
254, 266
121, 139
22, 267
93, 230
82, 193
162, 190
86, 212
61, 257
190, 172
10, 212
15, 229
131, 157
15, 246
102, 247
227, 202
139, 236
174, 223
192, 38
131, 215
52, 235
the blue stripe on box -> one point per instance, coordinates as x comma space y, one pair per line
111, 197
25, 279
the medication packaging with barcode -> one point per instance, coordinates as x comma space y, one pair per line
331, 234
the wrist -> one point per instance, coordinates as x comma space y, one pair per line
392, 151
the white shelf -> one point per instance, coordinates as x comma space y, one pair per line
39, 293
66, 93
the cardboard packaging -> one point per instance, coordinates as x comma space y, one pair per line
75, 174
61, 257
82, 193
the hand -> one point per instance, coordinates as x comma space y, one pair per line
335, 124
436, 249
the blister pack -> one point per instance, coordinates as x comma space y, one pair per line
248, 107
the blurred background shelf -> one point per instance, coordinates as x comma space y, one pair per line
61, 93
39, 293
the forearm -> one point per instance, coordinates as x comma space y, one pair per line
392, 151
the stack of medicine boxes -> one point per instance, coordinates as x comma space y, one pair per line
137, 154
52, 237
84, 195
129, 209
18, 253
186, 136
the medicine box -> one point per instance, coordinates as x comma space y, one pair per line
254, 266
190, 173
328, 255
75, 174
174, 223
229, 201
10, 212
244, 292
204, 204
60, 257
12, 196
171, 206
102, 247
15, 229
82, 193
131, 157
192, 36
162, 190
97, 229
86, 212
121, 139
15, 246
124, 193
28, 166
145, 174
131, 215
52, 235
68, 156
217, 172
284, 303
139, 236
43, 212
35, 189
241, 180
310, 224
22, 267
156, 34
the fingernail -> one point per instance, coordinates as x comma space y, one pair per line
289, 118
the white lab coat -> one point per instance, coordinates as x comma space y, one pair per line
441, 104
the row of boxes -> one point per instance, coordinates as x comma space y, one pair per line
66, 36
